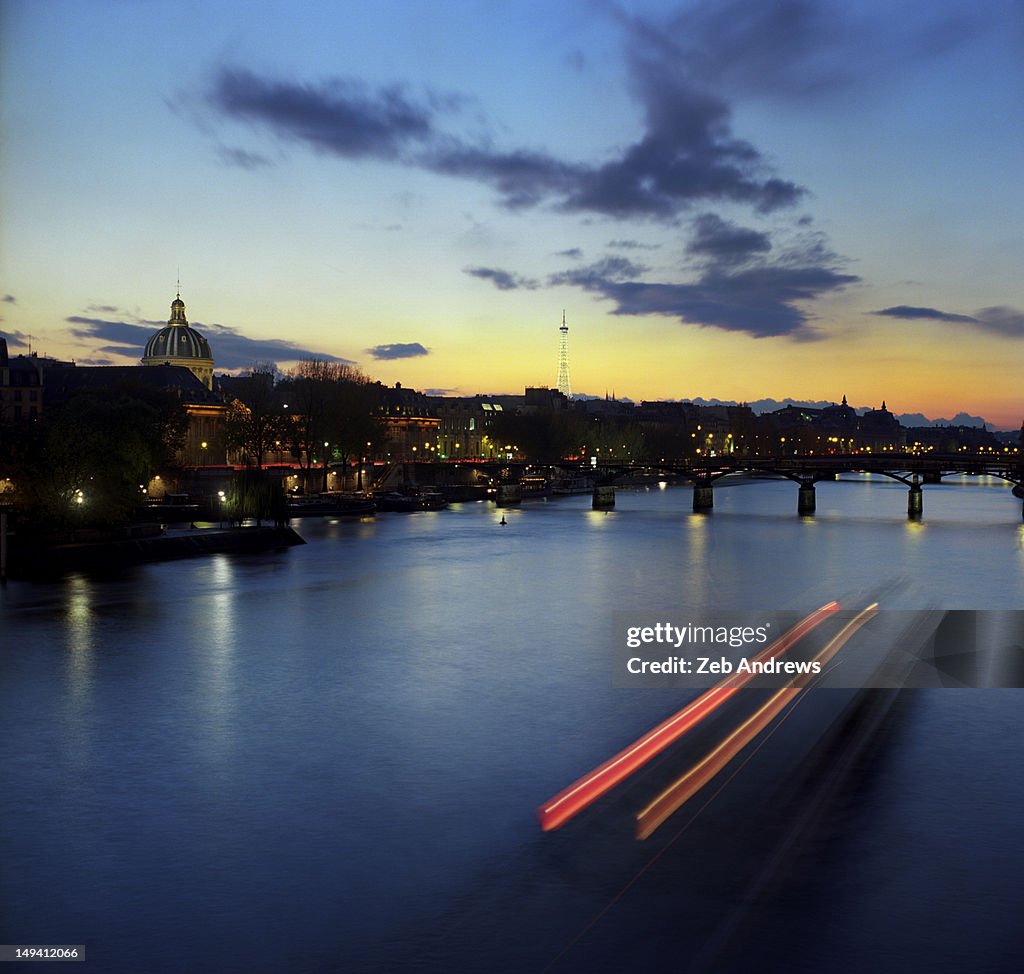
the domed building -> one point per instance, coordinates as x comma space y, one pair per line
179, 344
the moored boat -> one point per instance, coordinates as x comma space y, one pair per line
411, 499
332, 505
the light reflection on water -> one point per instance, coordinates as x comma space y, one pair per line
340, 743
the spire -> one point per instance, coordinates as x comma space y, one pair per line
178, 310
845, 403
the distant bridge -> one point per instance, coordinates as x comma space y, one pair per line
912, 469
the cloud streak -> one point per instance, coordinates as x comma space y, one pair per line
15, 339
231, 350
341, 117
502, 280
997, 319
397, 350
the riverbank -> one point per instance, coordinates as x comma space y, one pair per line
53, 560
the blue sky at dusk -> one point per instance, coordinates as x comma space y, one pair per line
736, 199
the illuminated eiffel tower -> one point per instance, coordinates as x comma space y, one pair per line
563, 384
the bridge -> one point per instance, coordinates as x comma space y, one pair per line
911, 469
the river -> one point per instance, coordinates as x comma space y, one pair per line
330, 758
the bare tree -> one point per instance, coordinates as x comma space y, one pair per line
329, 407
255, 422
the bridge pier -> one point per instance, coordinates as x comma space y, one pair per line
604, 496
805, 502
703, 497
915, 501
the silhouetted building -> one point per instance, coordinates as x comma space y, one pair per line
21, 392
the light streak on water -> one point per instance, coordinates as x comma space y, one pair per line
571, 801
684, 788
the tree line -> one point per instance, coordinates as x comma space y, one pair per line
320, 412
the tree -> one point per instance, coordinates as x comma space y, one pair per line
353, 425
329, 406
87, 459
256, 421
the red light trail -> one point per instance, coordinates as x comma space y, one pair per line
684, 788
571, 801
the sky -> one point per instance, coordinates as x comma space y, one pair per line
738, 199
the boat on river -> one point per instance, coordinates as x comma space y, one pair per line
332, 505
411, 499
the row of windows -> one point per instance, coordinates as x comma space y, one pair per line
16, 412
16, 377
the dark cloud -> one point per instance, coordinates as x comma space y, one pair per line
341, 117
243, 158
439, 392
398, 350
933, 314
230, 349
608, 269
687, 152
10, 299
523, 178
573, 253
801, 48
724, 242
1002, 321
998, 319
502, 280
134, 336
740, 281
759, 302
15, 339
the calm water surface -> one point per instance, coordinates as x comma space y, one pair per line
329, 758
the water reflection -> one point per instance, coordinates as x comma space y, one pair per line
80, 662
599, 518
217, 656
80, 628
914, 530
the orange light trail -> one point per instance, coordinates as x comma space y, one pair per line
683, 789
571, 801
